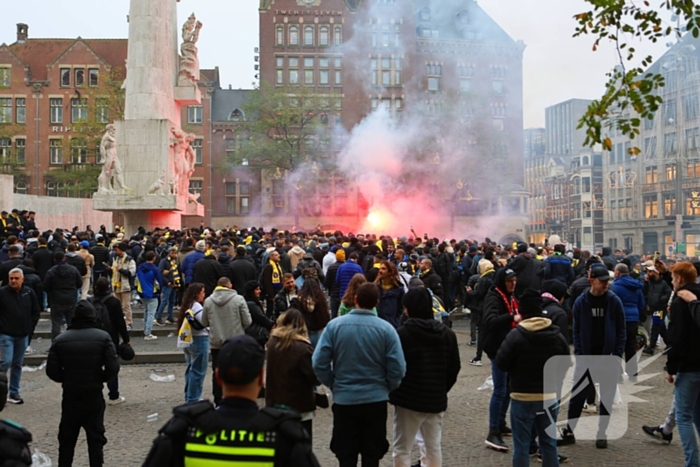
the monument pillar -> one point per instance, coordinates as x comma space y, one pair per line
147, 158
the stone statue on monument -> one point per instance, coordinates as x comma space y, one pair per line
189, 61
111, 178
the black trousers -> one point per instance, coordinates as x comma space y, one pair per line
585, 379
359, 430
657, 329
631, 348
57, 314
77, 414
335, 306
216, 389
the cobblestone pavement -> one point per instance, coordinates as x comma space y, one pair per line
130, 435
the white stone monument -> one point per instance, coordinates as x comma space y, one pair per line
147, 158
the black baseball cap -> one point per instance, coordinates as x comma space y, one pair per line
240, 360
600, 272
509, 273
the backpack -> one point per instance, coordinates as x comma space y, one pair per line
103, 320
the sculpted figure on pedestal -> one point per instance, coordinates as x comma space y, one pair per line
157, 186
111, 178
189, 61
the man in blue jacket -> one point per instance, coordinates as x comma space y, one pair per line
599, 329
359, 357
187, 265
630, 292
149, 284
346, 272
558, 266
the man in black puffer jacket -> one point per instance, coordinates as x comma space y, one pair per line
432, 365
523, 355
526, 269
62, 283
500, 316
82, 359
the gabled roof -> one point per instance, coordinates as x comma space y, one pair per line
444, 16
4, 46
39, 53
210, 76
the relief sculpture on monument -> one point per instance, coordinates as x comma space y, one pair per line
111, 179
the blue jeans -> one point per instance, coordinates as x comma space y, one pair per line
11, 357
167, 297
499, 399
197, 359
314, 337
151, 305
687, 395
524, 416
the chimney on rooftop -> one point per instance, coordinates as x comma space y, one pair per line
22, 33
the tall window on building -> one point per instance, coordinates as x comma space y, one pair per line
670, 172
692, 138
585, 184
6, 110
434, 72
308, 35
79, 110
669, 204
21, 112
293, 35
102, 109
692, 204
197, 148
337, 35
20, 150
56, 106
5, 72
694, 169
79, 76
196, 188
65, 77
651, 207
338, 64
323, 77
652, 174
386, 71
21, 187
230, 148
94, 77
78, 151
293, 71
309, 70
669, 143
279, 35
244, 198
670, 111
5, 149
194, 114
324, 34
56, 151
230, 197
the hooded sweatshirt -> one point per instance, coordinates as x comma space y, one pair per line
497, 318
524, 354
295, 255
683, 335
149, 280
226, 314
630, 292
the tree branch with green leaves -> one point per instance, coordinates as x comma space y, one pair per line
631, 93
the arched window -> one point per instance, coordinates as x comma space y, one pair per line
50, 188
293, 35
309, 35
463, 18
21, 187
324, 36
280, 35
338, 35
236, 115
585, 160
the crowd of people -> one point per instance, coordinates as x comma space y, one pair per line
290, 317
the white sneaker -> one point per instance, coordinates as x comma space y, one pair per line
29, 351
590, 408
116, 401
150, 337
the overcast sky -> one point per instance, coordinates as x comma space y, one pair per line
557, 67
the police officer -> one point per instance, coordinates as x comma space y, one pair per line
237, 431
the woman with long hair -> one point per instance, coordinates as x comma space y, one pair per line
312, 302
261, 326
347, 303
290, 378
197, 354
391, 292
